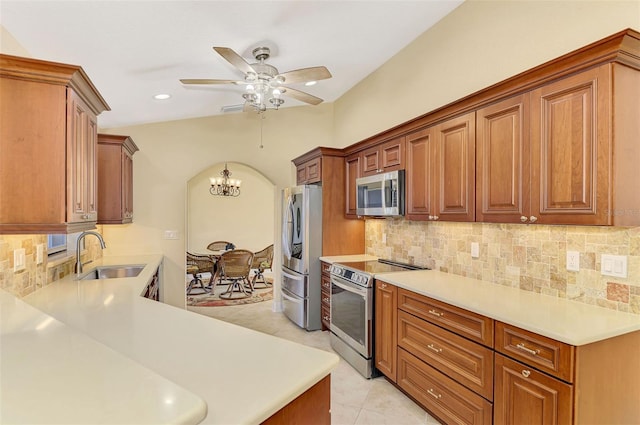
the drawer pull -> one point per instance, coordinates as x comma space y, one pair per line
436, 313
526, 373
326, 284
434, 348
432, 394
527, 350
325, 299
383, 285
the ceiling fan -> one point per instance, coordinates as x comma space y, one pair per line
264, 85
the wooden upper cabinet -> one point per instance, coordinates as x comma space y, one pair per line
48, 142
352, 172
115, 179
502, 161
309, 172
387, 156
571, 149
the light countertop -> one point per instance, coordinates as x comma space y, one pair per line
564, 320
242, 375
347, 258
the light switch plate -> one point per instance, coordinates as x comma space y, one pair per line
170, 234
573, 261
19, 260
475, 250
39, 253
613, 265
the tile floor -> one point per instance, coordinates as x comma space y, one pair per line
354, 399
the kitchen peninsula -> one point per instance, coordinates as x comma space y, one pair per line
243, 376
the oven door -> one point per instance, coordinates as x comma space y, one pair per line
351, 314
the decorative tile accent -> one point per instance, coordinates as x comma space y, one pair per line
36, 276
529, 257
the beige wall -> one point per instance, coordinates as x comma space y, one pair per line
246, 220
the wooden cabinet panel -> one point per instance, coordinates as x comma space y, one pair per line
309, 172
387, 156
502, 161
386, 309
115, 179
419, 175
571, 149
455, 180
325, 295
352, 172
465, 361
445, 398
525, 396
546, 354
313, 407
470, 325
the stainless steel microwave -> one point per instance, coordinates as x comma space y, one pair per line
381, 195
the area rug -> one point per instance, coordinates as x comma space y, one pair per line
214, 300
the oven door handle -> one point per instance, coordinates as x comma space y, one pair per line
347, 287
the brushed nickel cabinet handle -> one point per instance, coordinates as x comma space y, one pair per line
325, 299
433, 394
533, 218
522, 347
526, 373
523, 219
436, 313
434, 348
383, 286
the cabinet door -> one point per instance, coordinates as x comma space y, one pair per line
371, 163
352, 167
392, 154
386, 319
525, 396
502, 161
81, 167
419, 175
571, 149
455, 180
301, 174
127, 186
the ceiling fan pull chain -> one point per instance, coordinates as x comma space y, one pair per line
261, 114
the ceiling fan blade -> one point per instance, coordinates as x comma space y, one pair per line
306, 74
300, 95
207, 81
235, 59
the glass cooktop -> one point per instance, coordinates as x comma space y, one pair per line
380, 266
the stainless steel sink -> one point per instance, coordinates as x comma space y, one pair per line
111, 272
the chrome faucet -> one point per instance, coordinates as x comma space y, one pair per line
82, 235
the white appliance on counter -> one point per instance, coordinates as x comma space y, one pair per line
301, 250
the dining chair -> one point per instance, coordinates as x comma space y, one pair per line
196, 266
262, 260
220, 246
235, 267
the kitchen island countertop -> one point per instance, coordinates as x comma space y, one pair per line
244, 376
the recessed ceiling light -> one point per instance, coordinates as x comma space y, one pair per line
162, 96
310, 83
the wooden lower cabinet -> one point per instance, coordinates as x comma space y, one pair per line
325, 296
386, 313
312, 407
441, 395
526, 396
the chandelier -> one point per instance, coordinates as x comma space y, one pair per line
225, 186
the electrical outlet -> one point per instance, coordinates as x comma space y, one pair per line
475, 250
19, 260
613, 265
39, 253
170, 234
573, 261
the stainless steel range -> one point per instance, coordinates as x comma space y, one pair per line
351, 322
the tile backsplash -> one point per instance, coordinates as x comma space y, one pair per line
35, 276
529, 257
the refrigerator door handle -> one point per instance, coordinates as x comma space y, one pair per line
292, 299
293, 277
286, 247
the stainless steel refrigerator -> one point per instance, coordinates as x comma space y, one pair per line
301, 249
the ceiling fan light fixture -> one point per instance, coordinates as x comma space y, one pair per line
310, 83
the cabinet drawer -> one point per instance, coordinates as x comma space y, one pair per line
462, 322
543, 353
325, 297
526, 396
443, 397
325, 312
467, 362
325, 267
